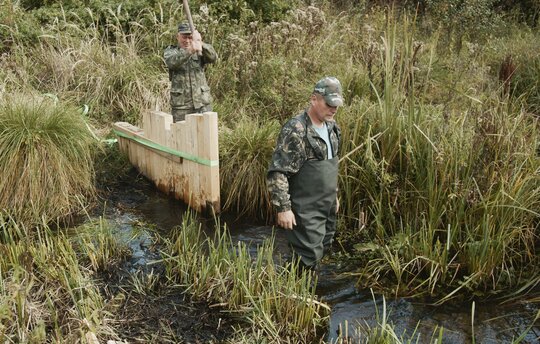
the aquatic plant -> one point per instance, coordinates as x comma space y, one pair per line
268, 296
46, 159
451, 198
247, 150
45, 293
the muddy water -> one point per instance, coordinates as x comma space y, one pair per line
132, 204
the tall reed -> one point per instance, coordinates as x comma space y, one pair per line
452, 198
46, 295
268, 296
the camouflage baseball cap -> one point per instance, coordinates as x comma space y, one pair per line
184, 28
330, 88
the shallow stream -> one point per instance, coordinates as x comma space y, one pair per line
136, 202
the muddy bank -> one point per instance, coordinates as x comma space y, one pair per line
146, 308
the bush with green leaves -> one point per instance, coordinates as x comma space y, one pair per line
460, 19
523, 10
16, 26
249, 10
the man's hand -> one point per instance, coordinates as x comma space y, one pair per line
286, 219
197, 42
191, 49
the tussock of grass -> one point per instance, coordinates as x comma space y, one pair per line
45, 159
247, 150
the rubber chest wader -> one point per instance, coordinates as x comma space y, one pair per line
313, 200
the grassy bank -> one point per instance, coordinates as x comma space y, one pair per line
48, 292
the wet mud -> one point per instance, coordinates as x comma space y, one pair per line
148, 310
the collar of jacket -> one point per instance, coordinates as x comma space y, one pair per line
312, 136
309, 124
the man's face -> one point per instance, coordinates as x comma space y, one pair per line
321, 111
184, 39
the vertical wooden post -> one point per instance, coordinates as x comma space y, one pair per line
210, 152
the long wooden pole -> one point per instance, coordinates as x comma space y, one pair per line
188, 15
190, 20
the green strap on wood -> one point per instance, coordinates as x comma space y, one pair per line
153, 145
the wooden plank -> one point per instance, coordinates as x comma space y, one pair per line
153, 134
209, 179
192, 181
143, 157
179, 179
186, 148
160, 163
133, 151
168, 173
193, 167
200, 152
211, 152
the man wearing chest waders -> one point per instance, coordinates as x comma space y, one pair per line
303, 174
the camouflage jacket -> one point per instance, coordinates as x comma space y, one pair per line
297, 142
186, 73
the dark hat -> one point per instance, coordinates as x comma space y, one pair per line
184, 28
330, 88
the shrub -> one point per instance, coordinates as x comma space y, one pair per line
15, 26
462, 18
247, 10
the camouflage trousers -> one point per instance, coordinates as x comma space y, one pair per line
179, 114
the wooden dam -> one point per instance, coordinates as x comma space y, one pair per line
181, 159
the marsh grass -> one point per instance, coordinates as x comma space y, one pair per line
47, 294
247, 150
382, 331
104, 65
46, 159
98, 246
269, 297
452, 198
440, 175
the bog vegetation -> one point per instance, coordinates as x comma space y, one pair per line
440, 167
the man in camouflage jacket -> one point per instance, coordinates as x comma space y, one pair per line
186, 62
302, 178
